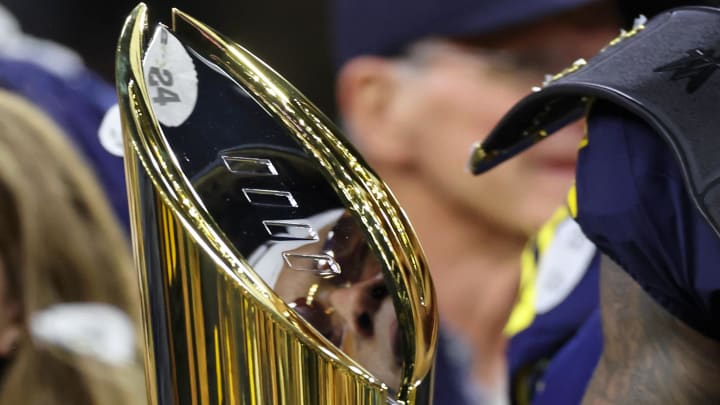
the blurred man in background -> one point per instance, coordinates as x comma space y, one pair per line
417, 82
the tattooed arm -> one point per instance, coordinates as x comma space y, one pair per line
649, 356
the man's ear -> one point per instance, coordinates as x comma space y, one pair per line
367, 90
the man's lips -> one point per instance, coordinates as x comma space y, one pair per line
564, 164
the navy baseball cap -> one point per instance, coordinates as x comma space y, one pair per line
387, 27
633, 203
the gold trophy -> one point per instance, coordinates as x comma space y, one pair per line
275, 266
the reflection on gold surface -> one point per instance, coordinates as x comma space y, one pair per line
352, 307
216, 332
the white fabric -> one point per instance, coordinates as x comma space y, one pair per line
99, 330
562, 266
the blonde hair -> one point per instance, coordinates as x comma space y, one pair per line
59, 242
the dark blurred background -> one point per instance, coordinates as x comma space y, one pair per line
291, 36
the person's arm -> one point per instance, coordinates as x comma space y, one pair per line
649, 357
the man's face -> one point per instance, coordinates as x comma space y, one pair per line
449, 94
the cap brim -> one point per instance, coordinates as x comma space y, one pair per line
535, 118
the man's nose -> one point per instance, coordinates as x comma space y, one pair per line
358, 303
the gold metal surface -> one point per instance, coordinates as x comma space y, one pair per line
638, 25
216, 333
574, 67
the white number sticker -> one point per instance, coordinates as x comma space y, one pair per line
171, 79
